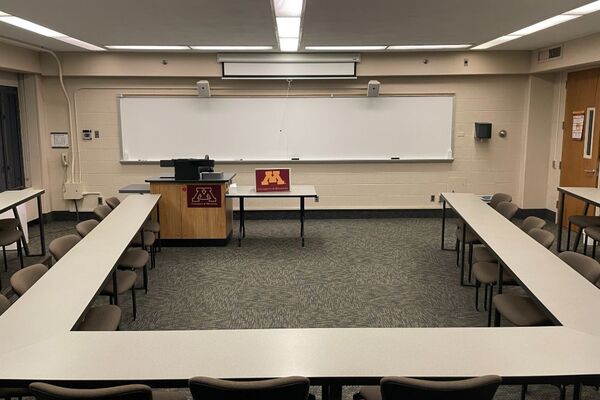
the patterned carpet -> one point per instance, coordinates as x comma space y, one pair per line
352, 273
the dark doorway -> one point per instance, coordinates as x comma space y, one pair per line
11, 148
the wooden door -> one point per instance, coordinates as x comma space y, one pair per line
576, 170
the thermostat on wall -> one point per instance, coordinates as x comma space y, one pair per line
87, 134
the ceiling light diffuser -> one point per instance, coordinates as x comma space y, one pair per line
345, 48
29, 26
146, 47
79, 43
288, 27
587, 9
288, 44
231, 48
429, 46
547, 23
495, 42
288, 8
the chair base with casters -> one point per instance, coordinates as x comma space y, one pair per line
125, 282
101, 318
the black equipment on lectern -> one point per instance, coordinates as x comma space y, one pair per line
189, 169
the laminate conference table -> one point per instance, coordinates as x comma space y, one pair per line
296, 191
38, 344
589, 195
10, 199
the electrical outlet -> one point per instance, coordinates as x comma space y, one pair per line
432, 198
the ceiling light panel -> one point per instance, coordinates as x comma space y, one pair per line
79, 43
146, 47
547, 23
288, 27
345, 48
495, 42
231, 48
288, 8
29, 26
587, 9
288, 44
430, 47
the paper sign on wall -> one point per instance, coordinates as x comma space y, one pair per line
578, 123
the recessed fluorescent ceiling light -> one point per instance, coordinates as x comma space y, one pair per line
79, 43
30, 26
288, 44
495, 42
429, 46
587, 9
231, 48
146, 47
345, 48
547, 23
288, 27
288, 8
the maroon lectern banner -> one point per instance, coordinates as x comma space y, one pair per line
272, 179
203, 195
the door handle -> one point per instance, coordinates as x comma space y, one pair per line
589, 171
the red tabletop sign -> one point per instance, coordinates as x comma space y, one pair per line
272, 179
203, 196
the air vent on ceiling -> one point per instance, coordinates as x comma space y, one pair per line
550, 53
289, 66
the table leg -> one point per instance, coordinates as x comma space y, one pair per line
41, 222
561, 210
331, 392
500, 279
443, 222
302, 219
577, 391
115, 294
158, 222
242, 231
462, 257
586, 207
23, 241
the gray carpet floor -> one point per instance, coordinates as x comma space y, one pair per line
352, 273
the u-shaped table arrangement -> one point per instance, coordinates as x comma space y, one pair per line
38, 343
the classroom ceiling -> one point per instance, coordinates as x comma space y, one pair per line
325, 22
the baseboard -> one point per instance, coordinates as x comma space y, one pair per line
321, 214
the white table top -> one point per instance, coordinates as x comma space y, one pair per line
55, 303
11, 198
38, 345
564, 292
295, 191
590, 194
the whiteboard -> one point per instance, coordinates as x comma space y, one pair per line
285, 128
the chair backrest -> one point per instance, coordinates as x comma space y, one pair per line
290, 388
112, 202
543, 237
60, 246
586, 266
498, 198
24, 278
102, 211
398, 388
45, 391
508, 210
85, 227
532, 222
4, 304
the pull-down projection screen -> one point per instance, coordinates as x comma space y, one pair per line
286, 128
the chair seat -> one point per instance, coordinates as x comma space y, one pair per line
370, 392
482, 254
151, 226
8, 392
168, 395
470, 236
487, 273
149, 239
102, 318
134, 258
125, 281
593, 232
9, 224
8, 237
584, 220
520, 310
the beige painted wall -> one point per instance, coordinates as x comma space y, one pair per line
481, 167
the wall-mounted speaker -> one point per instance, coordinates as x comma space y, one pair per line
483, 130
373, 89
203, 88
